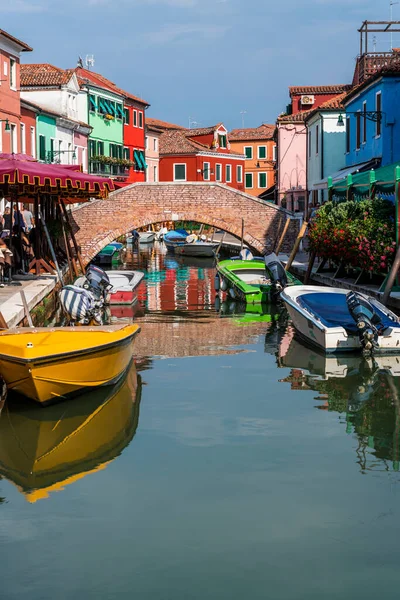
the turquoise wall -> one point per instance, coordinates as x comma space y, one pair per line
45, 125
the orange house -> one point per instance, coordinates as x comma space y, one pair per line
258, 146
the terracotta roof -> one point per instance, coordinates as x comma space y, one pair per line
85, 76
46, 75
262, 132
390, 70
202, 130
162, 124
299, 117
319, 89
24, 47
176, 142
334, 104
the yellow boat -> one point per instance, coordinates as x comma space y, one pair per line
50, 364
43, 451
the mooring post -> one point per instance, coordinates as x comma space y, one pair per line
392, 277
279, 245
296, 245
241, 242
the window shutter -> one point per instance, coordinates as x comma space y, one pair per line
42, 147
249, 180
262, 152
249, 152
262, 180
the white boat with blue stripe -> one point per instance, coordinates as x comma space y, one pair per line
339, 320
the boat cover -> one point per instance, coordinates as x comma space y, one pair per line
333, 311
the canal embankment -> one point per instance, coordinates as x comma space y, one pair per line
36, 291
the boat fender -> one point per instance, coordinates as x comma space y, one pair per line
224, 284
245, 254
232, 293
217, 303
217, 283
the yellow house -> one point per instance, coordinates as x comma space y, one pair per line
259, 147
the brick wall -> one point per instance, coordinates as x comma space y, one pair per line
98, 223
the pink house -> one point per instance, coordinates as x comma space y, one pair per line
292, 143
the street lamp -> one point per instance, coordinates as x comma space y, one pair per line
371, 115
7, 127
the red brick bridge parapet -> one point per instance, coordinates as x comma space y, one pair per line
99, 222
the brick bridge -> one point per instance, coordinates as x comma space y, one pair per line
100, 222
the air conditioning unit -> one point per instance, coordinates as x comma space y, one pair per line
308, 100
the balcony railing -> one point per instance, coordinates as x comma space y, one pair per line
108, 170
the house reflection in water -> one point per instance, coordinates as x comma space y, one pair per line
43, 450
365, 390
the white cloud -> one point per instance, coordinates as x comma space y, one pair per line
174, 32
19, 6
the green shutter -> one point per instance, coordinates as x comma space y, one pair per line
135, 118
102, 106
140, 119
262, 180
249, 152
42, 147
126, 116
136, 158
142, 156
262, 152
93, 105
249, 180
127, 154
51, 150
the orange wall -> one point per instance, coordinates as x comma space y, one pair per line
266, 164
194, 163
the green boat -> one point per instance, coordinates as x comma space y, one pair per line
250, 281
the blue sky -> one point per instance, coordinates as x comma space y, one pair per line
208, 59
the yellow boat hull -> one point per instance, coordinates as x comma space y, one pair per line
47, 365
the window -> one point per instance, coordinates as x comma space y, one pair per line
126, 116
92, 103
51, 150
249, 180
358, 130
309, 143
180, 172
262, 180
92, 148
364, 137
100, 148
23, 138
317, 139
248, 151
13, 73
262, 152
140, 119
222, 141
155, 174
135, 118
206, 171
274, 157
146, 142
239, 173
378, 108
228, 173
218, 172
155, 146
33, 142
127, 153
5, 68
42, 147
75, 156
13, 132
119, 111
347, 134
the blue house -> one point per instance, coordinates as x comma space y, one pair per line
372, 120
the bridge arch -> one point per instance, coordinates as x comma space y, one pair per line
98, 223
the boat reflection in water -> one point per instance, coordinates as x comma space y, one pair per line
43, 450
364, 389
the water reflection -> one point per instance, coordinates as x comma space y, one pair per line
43, 450
364, 391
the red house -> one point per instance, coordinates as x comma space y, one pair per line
200, 155
305, 97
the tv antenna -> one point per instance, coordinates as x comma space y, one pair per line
391, 18
192, 123
89, 61
243, 112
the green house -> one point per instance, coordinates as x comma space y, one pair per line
45, 135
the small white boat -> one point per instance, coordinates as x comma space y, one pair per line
146, 237
199, 249
339, 320
124, 284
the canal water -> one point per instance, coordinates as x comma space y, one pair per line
231, 463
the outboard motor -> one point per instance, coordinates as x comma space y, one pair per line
366, 319
97, 282
277, 274
80, 305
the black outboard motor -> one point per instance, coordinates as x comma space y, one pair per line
277, 274
98, 282
366, 319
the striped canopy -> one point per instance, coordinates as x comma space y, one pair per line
26, 176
